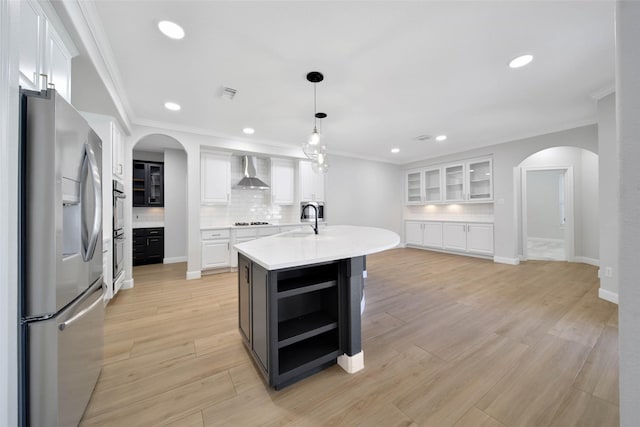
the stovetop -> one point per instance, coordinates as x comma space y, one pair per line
240, 224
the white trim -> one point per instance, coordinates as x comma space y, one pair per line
544, 239
191, 275
608, 295
352, 364
9, 76
505, 260
87, 23
175, 259
127, 284
587, 260
603, 91
54, 19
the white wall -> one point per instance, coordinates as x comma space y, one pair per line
9, 24
543, 204
628, 126
175, 206
609, 196
363, 192
585, 195
506, 157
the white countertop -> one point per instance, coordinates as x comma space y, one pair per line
223, 227
303, 247
147, 224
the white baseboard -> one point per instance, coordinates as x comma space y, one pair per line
194, 275
127, 284
586, 260
608, 295
174, 260
505, 260
352, 364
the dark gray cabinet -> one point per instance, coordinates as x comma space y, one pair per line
148, 245
297, 321
148, 184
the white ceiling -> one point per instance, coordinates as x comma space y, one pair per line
393, 70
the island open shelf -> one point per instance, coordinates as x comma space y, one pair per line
299, 299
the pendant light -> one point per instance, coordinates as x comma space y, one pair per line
313, 148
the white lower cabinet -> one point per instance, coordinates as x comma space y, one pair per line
480, 238
454, 236
215, 249
428, 234
472, 238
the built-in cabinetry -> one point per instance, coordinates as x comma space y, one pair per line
466, 181
292, 320
310, 183
148, 184
148, 245
282, 182
467, 237
117, 150
215, 248
44, 57
215, 178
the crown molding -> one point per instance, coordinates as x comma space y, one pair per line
87, 23
55, 21
602, 92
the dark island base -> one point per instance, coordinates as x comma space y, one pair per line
297, 321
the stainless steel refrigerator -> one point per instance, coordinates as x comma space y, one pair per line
61, 292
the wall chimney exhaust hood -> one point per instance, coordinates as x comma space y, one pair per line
250, 181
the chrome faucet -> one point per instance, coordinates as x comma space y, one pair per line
315, 208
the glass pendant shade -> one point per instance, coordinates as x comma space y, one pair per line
320, 165
314, 138
312, 151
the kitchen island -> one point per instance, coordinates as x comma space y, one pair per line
299, 299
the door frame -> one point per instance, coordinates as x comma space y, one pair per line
569, 234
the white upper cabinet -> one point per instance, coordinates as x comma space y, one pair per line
454, 188
479, 180
465, 181
31, 44
311, 183
215, 178
282, 181
432, 185
413, 183
42, 51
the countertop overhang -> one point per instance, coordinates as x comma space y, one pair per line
303, 247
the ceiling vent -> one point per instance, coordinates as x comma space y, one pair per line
422, 137
228, 93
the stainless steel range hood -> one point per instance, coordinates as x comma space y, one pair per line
250, 181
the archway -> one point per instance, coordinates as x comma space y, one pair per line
161, 213
558, 205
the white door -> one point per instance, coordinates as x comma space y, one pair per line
547, 222
454, 236
413, 233
433, 234
215, 179
215, 254
480, 238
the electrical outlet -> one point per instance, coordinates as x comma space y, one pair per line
608, 272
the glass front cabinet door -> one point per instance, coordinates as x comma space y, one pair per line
432, 186
454, 183
414, 188
479, 180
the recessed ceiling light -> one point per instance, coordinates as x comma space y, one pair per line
520, 61
171, 30
395, 150
172, 106
249, 131
441, 137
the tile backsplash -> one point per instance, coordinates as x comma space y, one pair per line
453, 212
148, 214
248, 205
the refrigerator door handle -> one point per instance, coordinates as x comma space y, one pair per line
62, 326
90, 169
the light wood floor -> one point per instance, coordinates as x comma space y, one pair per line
448, 341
